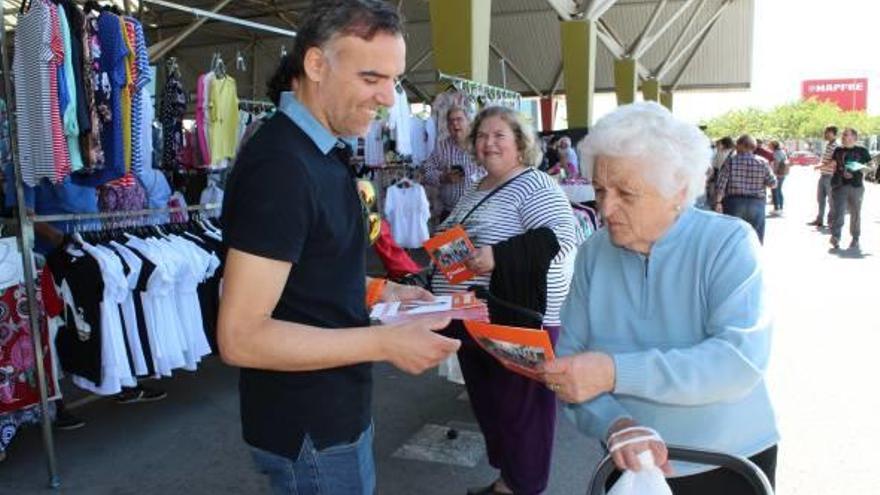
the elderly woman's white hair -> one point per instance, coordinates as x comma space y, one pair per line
675, 154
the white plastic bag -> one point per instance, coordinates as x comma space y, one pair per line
647, 481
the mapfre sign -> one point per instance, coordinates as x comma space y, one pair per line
848, 94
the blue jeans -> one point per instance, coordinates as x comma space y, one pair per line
347, 469
752, 210
778, 200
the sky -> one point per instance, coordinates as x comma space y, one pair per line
794, 40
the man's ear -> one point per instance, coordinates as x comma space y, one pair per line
314, 64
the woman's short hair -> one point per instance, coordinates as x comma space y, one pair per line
522, 132
673, 153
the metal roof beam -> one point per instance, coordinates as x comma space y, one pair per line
608, 38
159, 50
696, 49
515, 69
644, 47
636, 46
597, 8
681, 35
566, 9
670, 63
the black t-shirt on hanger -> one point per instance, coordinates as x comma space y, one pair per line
82, 289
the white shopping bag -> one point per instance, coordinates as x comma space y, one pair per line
647, 481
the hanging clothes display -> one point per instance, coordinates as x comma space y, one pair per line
374, 145
408, 211
223, 120
203, 126
173, 108
399, 123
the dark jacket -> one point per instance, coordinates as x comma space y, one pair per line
520, 276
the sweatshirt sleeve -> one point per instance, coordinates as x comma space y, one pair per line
732, 358
593, 418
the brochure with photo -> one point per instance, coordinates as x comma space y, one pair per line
521, 350
459, 306
449, 251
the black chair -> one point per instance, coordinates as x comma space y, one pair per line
740, 465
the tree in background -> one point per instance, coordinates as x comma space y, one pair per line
800, 120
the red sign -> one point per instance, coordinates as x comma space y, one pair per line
848, 94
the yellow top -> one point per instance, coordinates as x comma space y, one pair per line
223, 116
126, 99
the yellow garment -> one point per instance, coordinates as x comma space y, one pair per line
126, 99
223, 116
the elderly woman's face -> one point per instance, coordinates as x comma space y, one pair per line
636, 213
496, 148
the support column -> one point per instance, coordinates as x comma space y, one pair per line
651, 90
547, 114
666, 99
579, 69
460, 36
626, 80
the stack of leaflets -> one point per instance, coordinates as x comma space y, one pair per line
459, 306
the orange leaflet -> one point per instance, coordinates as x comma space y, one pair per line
521, 350
449, 250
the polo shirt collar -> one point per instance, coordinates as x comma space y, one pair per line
303, 118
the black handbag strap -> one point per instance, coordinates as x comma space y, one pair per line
492, 193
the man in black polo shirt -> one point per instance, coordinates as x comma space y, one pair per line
293, 314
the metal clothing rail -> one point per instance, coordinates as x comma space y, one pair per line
74, 217
220, 17
479, 89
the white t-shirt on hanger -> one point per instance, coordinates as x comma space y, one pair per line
408, 211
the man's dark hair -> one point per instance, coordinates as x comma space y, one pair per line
727, 142
832, 129
326, 19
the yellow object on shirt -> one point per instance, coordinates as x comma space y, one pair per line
126, 99
223, 116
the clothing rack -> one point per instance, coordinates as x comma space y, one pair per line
476, 89
26, 221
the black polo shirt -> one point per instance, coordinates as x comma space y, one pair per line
287, 200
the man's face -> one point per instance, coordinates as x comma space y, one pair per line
830, 136
849, 139
357, 78
458, 124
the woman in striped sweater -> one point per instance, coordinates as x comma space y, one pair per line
526, 234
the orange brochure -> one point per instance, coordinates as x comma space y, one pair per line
448, 251
521, 350
458, 306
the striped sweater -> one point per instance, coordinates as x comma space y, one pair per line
531, 201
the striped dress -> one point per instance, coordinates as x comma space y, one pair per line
30, 68
533, 200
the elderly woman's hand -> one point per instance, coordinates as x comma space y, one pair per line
626, 440
580, 378
482, 261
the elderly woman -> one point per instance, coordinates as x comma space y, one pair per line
526, 236
666, 325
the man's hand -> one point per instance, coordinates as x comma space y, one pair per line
719, 207
414, 346
580, 378
482, 261
394, 292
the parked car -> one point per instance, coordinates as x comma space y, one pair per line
805, 158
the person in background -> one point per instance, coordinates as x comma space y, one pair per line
293, 313
742, 185
451, 167
826, 169
571, 162
526, 234
646, 359
724, 150
847, 187
780, 168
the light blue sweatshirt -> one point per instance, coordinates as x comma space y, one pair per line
689, 331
